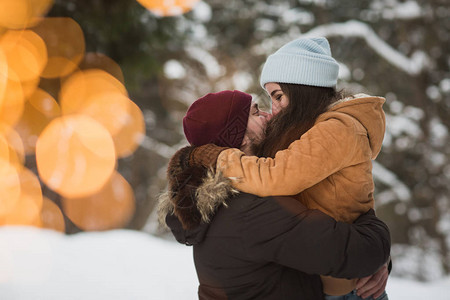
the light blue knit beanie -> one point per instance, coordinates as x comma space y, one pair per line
305, 61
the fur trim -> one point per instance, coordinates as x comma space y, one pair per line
352, 97
183, 188
194, 193
213, 192
165, 207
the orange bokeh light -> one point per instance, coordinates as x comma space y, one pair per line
75, 155
121, 117
18, 14
26, 54
16, 152
26, 210
109, 109
168, 8
11, 106
4, 148
29, 87
84, 87
9, 187
100, 95
3, 76
51, 216
13, 93
131, 133
77, 144
100, 61
40, 109
111, 207
65, 45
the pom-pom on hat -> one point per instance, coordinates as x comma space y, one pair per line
305, 61
219, 118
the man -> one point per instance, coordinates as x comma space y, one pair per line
247, 247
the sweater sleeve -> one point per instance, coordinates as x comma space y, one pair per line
283, 231
326, 148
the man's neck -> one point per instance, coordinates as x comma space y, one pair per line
247, 149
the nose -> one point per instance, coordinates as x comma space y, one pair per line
266, 115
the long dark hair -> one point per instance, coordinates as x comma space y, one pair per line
306, 103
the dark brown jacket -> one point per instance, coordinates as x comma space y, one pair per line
267, 248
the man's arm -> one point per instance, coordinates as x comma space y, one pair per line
282, 230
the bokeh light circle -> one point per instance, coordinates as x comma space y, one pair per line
132, 132
84, 87
29, 87
25, 52
99, 61
75, 155
123, 119
168, 8
26, 210
111, 207
16, 150
4, 148
9, 186
40, 109
109, 109
18, 14
51, 216
3, 76
65, 45
12, 104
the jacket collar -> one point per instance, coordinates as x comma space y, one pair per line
193, 196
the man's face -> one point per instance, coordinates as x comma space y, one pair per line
256, 124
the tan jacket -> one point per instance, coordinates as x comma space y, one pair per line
331, 165
329, 168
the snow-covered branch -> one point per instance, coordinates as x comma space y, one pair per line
413, 66
399, 190
212, 66
161, 148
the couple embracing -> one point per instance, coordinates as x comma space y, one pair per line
280, 206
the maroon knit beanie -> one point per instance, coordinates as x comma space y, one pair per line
219, 118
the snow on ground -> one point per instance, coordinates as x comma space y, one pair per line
121, 264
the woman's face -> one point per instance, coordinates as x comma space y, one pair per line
279, 99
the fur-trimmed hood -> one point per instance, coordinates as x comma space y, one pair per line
193, 194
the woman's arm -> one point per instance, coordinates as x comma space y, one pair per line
326, 148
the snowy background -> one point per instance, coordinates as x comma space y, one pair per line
164, 58
45, 265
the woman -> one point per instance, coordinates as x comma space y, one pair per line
329, 142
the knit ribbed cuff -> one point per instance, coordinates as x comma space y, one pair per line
206, 155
